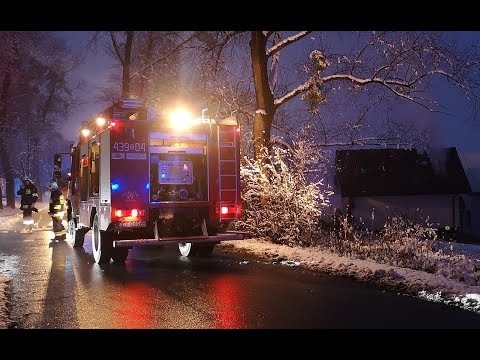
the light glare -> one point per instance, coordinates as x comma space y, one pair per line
180, 119
85, 132
101, 121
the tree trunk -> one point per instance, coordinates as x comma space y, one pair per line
126, 65
262, 124
36, 167
5, 163
37, 149
9, 178
143, 93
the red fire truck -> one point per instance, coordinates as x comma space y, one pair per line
140, 177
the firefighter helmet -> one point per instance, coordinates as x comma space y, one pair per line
53, 186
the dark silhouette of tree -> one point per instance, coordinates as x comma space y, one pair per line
35, 97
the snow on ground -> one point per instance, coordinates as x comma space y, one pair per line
418, 283
8, 219
4, 321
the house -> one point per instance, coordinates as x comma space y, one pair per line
471, 165
382, 183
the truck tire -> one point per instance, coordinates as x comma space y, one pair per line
101, 243
185, 249
189, 249
77, 236
119, 255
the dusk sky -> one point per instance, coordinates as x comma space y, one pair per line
456, 130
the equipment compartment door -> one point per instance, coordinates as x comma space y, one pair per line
178, 167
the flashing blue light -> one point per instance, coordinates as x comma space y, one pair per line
115, 187
163, 176
147, 186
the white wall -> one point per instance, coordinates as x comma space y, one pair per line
472, 203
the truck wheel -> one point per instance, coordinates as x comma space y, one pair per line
77, 236
101, 243
119, 255
189, 249
185, 249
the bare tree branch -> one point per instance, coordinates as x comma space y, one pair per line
163, 58
291, 39
115, 46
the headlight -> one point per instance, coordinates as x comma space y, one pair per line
181, 119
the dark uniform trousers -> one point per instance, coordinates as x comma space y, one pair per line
29, 197
56, 208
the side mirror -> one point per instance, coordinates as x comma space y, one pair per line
57, 161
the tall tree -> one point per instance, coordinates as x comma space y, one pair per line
402, 65
123, 52
355, 74
36, 101
145, 62
9, 57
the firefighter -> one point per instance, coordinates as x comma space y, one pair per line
29, 196
56, 211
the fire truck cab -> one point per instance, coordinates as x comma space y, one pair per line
140, 178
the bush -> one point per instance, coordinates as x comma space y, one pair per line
408, 244
280, 200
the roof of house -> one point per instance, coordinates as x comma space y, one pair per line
471, 165
381, 172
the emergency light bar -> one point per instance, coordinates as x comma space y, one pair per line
181, 119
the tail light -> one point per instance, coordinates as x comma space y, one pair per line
230, 211
128, 214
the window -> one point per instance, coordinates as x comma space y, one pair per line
94, 170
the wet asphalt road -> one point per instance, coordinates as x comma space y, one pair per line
56, 286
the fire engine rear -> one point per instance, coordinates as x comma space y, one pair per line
141, 178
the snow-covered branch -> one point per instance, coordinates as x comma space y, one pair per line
290, 95
394, 85
291, 39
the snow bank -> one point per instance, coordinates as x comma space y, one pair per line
4, 320
422, 284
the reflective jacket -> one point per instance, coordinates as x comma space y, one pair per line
29, 194
57, 202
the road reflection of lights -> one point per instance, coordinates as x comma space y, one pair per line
10, 265
134, 311
228, 298
184, 259
97, 274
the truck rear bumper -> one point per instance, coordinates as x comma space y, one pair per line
175, 240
